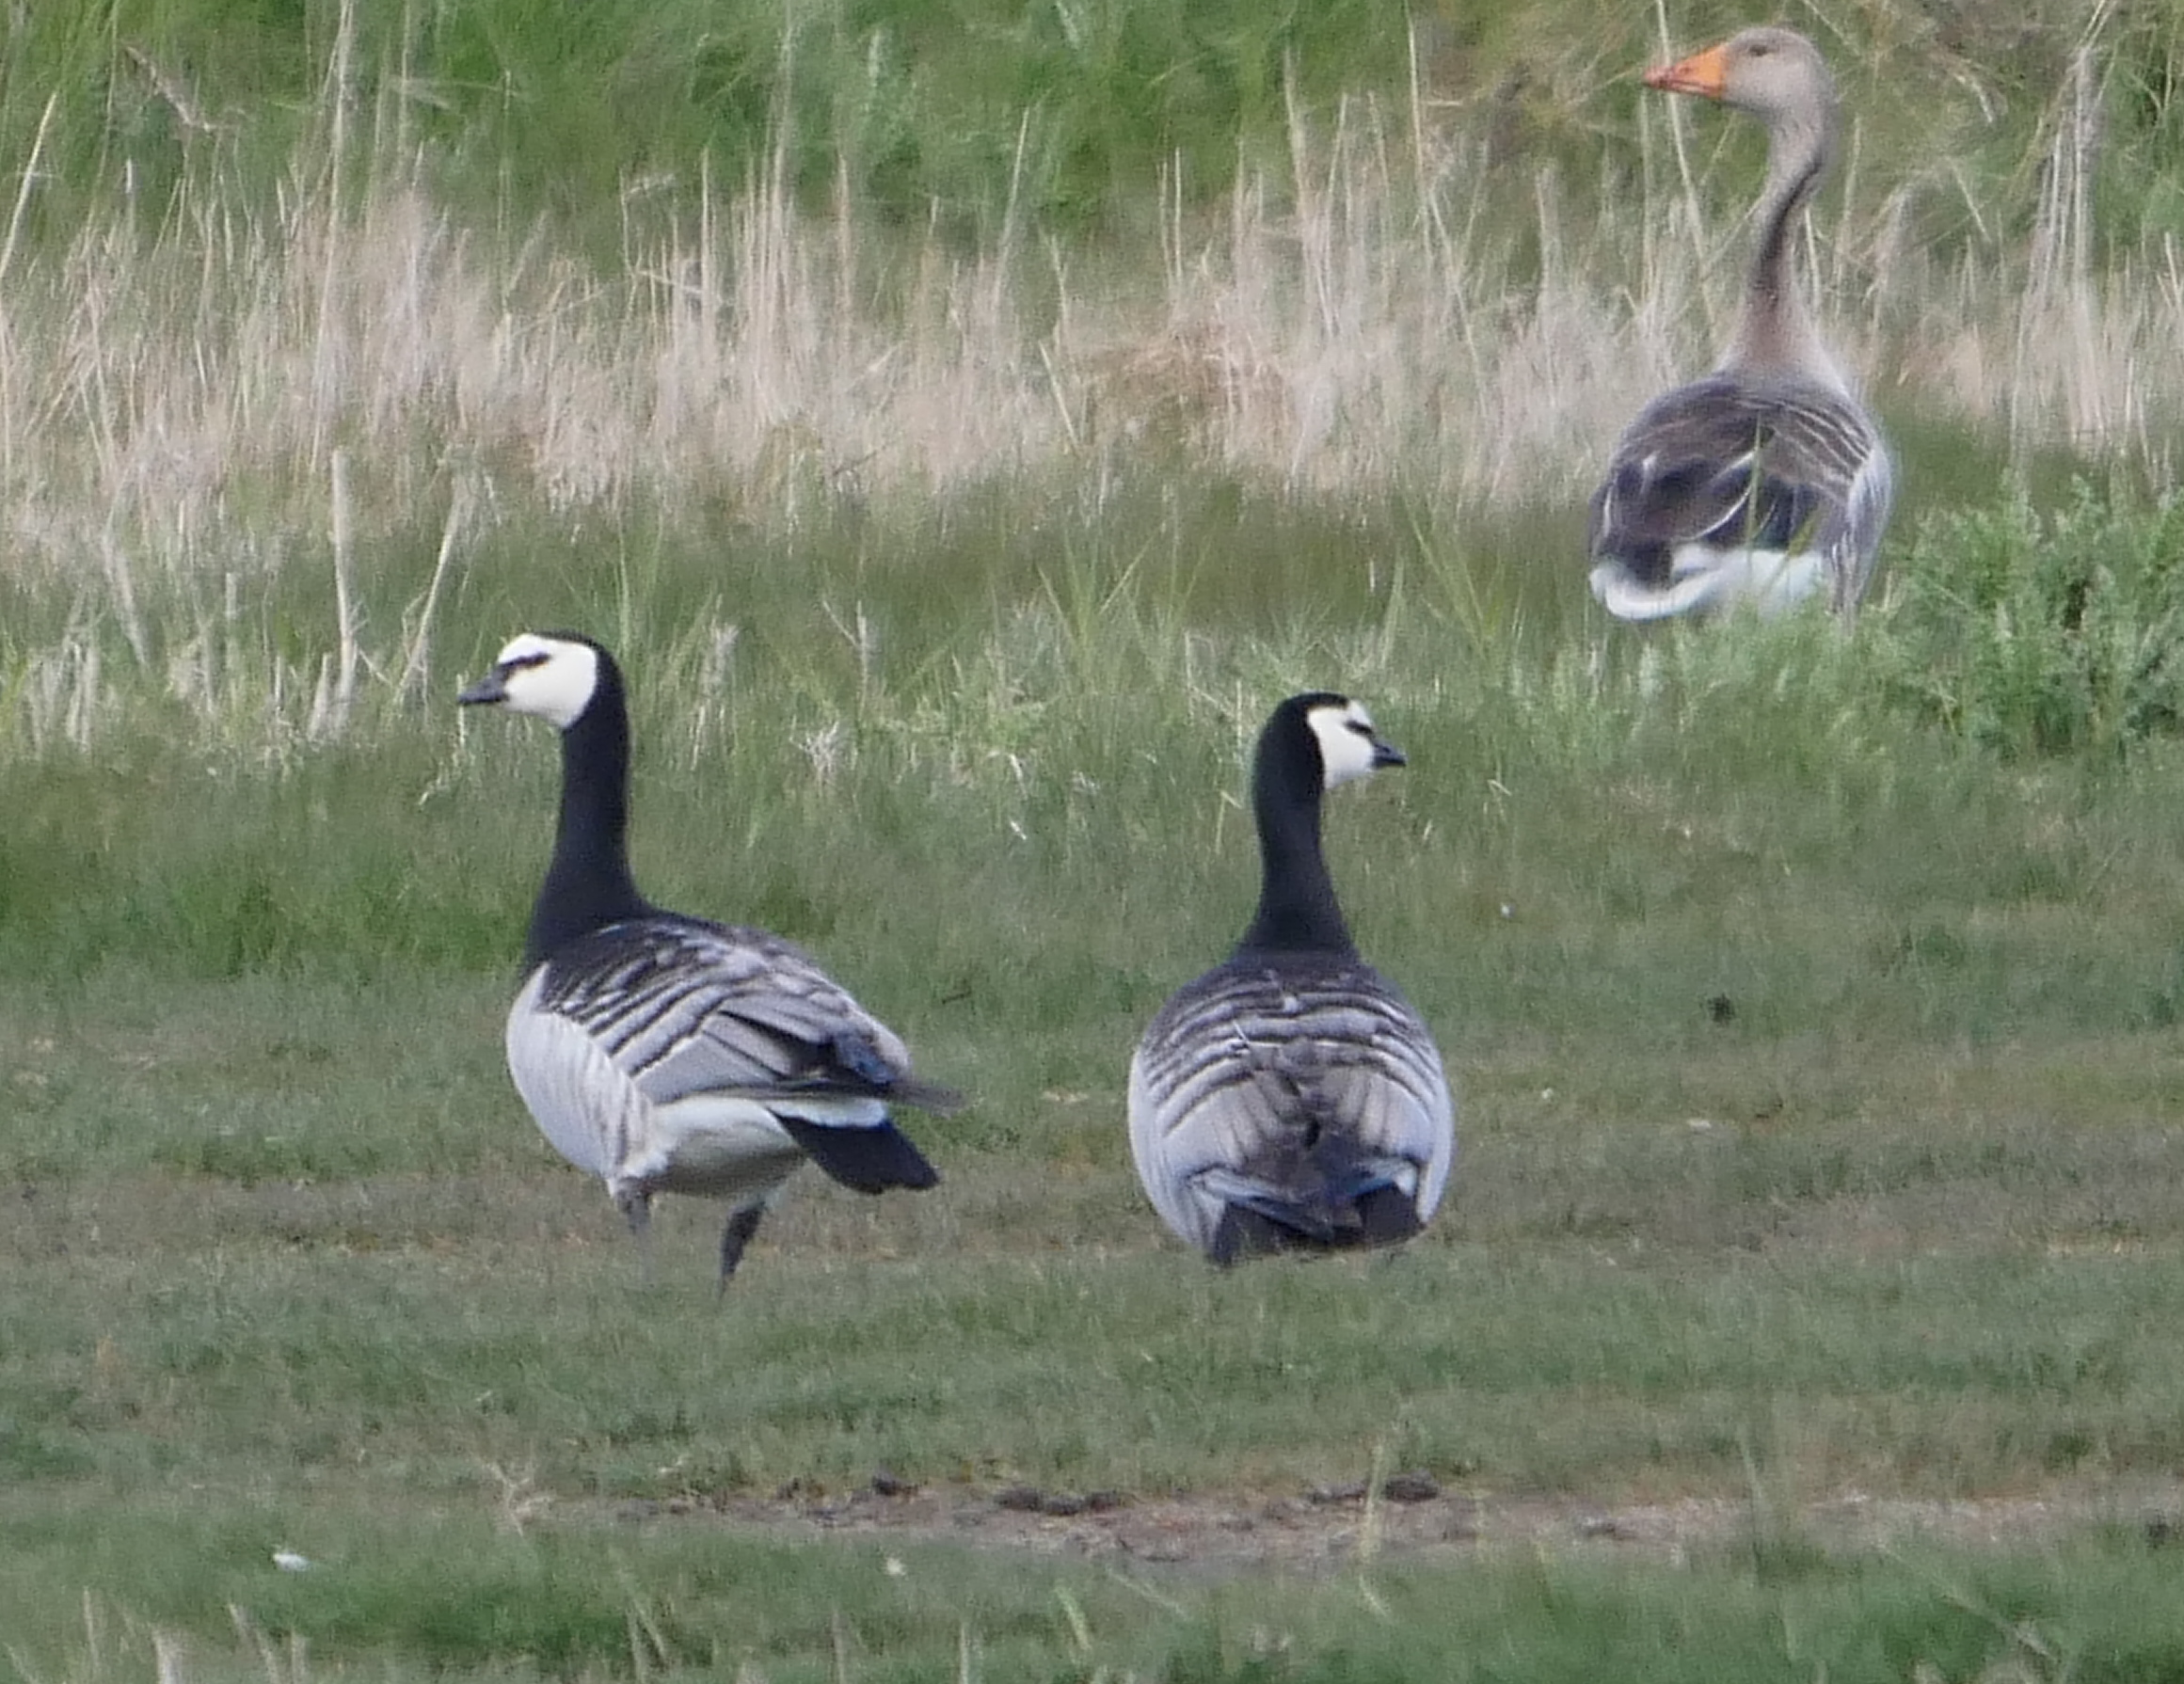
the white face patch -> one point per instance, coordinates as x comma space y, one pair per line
1347, 747
549, 678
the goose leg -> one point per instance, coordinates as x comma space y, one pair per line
638, 1210
743, 1224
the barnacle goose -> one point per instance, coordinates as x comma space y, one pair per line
1290, 1097
669, 1054
1767, 480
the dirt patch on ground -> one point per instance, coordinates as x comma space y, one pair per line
1411, 1516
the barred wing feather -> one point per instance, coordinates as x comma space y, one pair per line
1735, 466
1290, 1096
673, 1055
684, 1008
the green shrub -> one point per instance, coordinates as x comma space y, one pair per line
2031, 633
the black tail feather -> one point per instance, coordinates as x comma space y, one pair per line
1384, 1216
1387, 1217
868, 1159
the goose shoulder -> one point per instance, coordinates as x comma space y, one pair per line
684, 1006
1248, 1015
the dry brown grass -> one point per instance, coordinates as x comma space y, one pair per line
189, 406
1364, 318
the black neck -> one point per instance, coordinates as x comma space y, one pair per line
1298, 910
588, 883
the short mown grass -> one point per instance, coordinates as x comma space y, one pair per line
459, 1597
1819, 1132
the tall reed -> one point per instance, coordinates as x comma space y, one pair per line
192, 402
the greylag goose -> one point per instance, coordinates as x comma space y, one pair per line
1766, 481
668, 1054
1290, 1097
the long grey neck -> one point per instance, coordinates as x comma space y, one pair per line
1775, 332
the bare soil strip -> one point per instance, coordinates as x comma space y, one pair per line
1331, 1529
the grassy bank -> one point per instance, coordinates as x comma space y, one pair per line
337, 308
978, 114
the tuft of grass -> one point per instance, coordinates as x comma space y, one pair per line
675, 1599
2047, 634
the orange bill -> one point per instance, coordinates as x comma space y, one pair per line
1704, 72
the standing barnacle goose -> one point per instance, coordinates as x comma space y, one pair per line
1766, 481
669, 1054
1290, 1099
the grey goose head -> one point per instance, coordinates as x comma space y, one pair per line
1773, 73
1777, 76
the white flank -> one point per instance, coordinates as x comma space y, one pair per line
1710, 581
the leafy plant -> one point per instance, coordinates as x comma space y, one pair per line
2045, 633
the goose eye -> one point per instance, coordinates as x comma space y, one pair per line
523, 662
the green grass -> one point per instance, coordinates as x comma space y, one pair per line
958, 509
974, 113
674, 1602
1819, 1139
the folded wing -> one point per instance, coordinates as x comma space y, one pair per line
1296, 1100
1736, 487
678, 1051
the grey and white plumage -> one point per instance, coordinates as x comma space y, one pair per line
668, 1054
1767, 480
1291, 1098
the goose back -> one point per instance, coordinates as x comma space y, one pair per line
1758, 488
1294, 1090
1291, 1098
